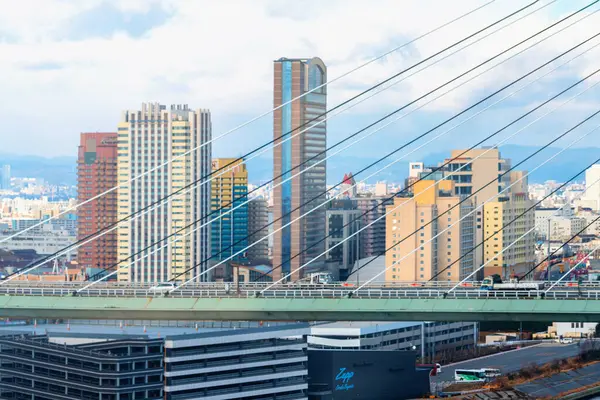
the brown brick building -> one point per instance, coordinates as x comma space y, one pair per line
97, 173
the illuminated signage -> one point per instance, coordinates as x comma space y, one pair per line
343, 379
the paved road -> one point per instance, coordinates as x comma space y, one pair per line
512, 360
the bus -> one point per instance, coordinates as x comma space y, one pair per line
476, 375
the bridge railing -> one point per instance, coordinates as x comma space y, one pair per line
304, 292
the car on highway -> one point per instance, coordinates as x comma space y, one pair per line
163, 287
566, 340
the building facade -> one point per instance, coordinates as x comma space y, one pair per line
259, 363
258, 228
147, 139
519, 257
372, 237
364, 374
33, 368
591, 197
426, 338
229, 193
298, 142
442, 242
343, 221
97, 174
471, 171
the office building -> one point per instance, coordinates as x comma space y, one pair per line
45, 242
258, 228
135, 360
5, 177
229, 193
35, 367
255, 363
343, 221
558, 224
441, 242
66, 222
372, 237
426, 338
97, 174
147, 139
302, 193
519, 257
591, 198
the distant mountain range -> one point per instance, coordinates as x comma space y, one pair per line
561, 168
54, 170
63, 170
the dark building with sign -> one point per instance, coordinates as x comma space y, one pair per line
366, 375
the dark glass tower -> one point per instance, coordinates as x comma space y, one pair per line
293, 78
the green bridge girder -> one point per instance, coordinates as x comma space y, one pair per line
270, 309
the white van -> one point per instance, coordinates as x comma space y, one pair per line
163, 287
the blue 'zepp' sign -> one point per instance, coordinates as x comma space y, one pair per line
343, 380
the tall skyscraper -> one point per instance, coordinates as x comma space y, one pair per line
229, 188
292, 78
97, 173
439, 243
5, 177
148, 138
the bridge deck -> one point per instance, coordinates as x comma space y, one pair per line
265, 309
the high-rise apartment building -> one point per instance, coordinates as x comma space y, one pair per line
148, 138
5, 177
437, 248
519, 257
372, 236
473, 170
297, 141
229, 193
96, 174
343, 221
472, 173
258, 228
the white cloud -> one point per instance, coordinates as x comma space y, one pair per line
218, 55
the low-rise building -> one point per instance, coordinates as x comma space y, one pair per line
427, 338
34, 368
237, 364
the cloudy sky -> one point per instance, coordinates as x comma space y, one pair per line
71, 66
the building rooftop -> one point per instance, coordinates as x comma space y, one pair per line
359, 328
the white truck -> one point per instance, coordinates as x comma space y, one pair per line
317, 278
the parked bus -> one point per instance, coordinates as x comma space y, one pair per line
476, 375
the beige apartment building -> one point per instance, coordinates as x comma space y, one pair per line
520, 257
148, 138
437, 248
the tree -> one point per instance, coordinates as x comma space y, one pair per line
597, 331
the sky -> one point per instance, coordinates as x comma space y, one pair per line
71, 66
